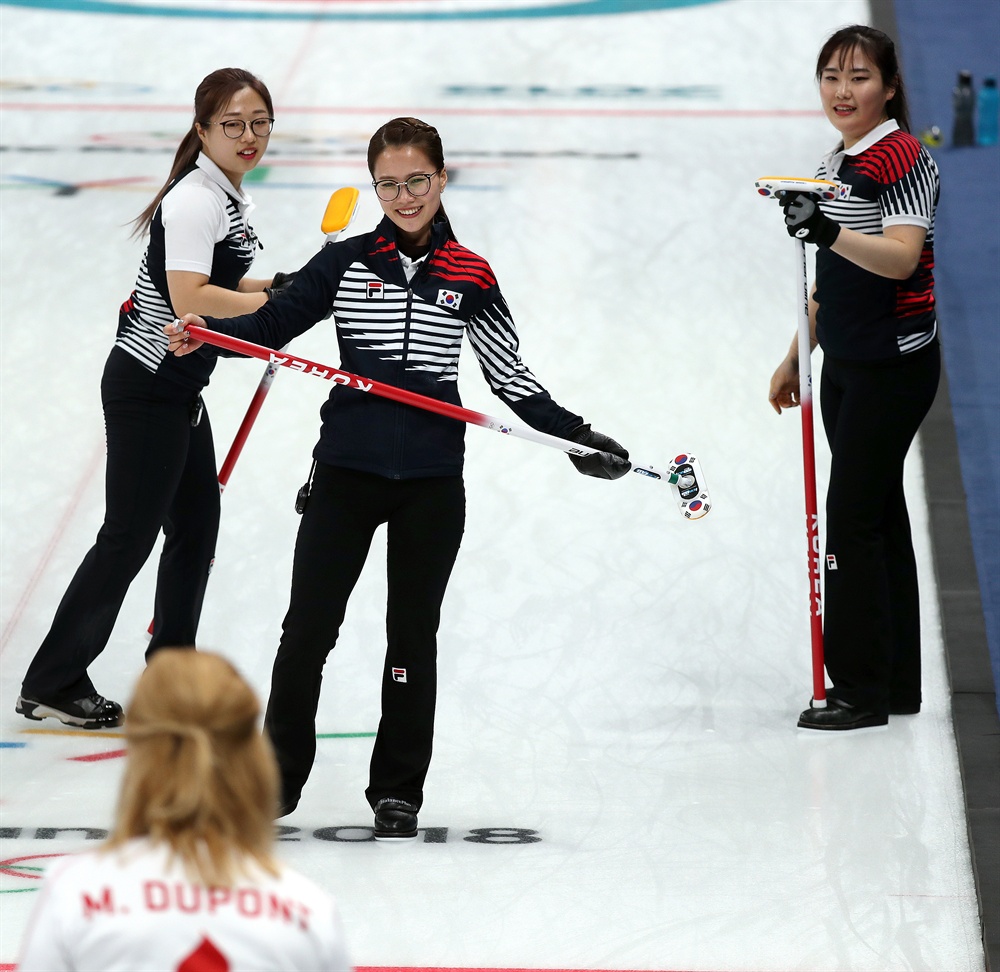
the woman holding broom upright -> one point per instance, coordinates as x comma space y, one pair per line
872, 311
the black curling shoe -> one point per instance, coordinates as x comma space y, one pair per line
840, 716
395, 820
92, 712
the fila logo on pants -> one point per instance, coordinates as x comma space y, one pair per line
399, 674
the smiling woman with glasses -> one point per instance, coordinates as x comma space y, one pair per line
403, 298
161, 472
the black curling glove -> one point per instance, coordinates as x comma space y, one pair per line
610, 463
280, 282
805, 221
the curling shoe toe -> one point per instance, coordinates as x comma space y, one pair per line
395, 820
839, 716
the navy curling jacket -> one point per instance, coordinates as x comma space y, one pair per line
403, 334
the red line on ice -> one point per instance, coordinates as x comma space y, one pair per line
57, 535
442, 110
97, 757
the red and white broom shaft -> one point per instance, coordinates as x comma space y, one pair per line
458, 412
809, 469
246, 425
358, 383
772, 187
338, 216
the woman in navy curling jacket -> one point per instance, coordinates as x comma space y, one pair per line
402, 298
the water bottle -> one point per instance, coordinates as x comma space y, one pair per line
963, 102
988, 111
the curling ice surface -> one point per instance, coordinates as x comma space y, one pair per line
617, 781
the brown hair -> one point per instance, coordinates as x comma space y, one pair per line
881, 51
199, 776
213, 94
400, 132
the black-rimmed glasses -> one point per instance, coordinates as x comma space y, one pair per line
416, 185
235, 127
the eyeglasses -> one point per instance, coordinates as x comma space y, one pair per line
235, 127
416, 185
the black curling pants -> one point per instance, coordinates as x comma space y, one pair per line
871, 630
425, 520
161, 474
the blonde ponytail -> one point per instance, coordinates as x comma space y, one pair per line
199, 778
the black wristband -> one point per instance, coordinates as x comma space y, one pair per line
827, 232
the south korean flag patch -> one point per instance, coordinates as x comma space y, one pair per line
448, 298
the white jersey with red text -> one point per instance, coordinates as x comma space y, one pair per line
132, 910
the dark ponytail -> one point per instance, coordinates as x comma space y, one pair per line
213, 94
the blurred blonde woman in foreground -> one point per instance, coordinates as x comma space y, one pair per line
188, 877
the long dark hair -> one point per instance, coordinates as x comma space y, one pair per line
881, 51
401, 132
213, 94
